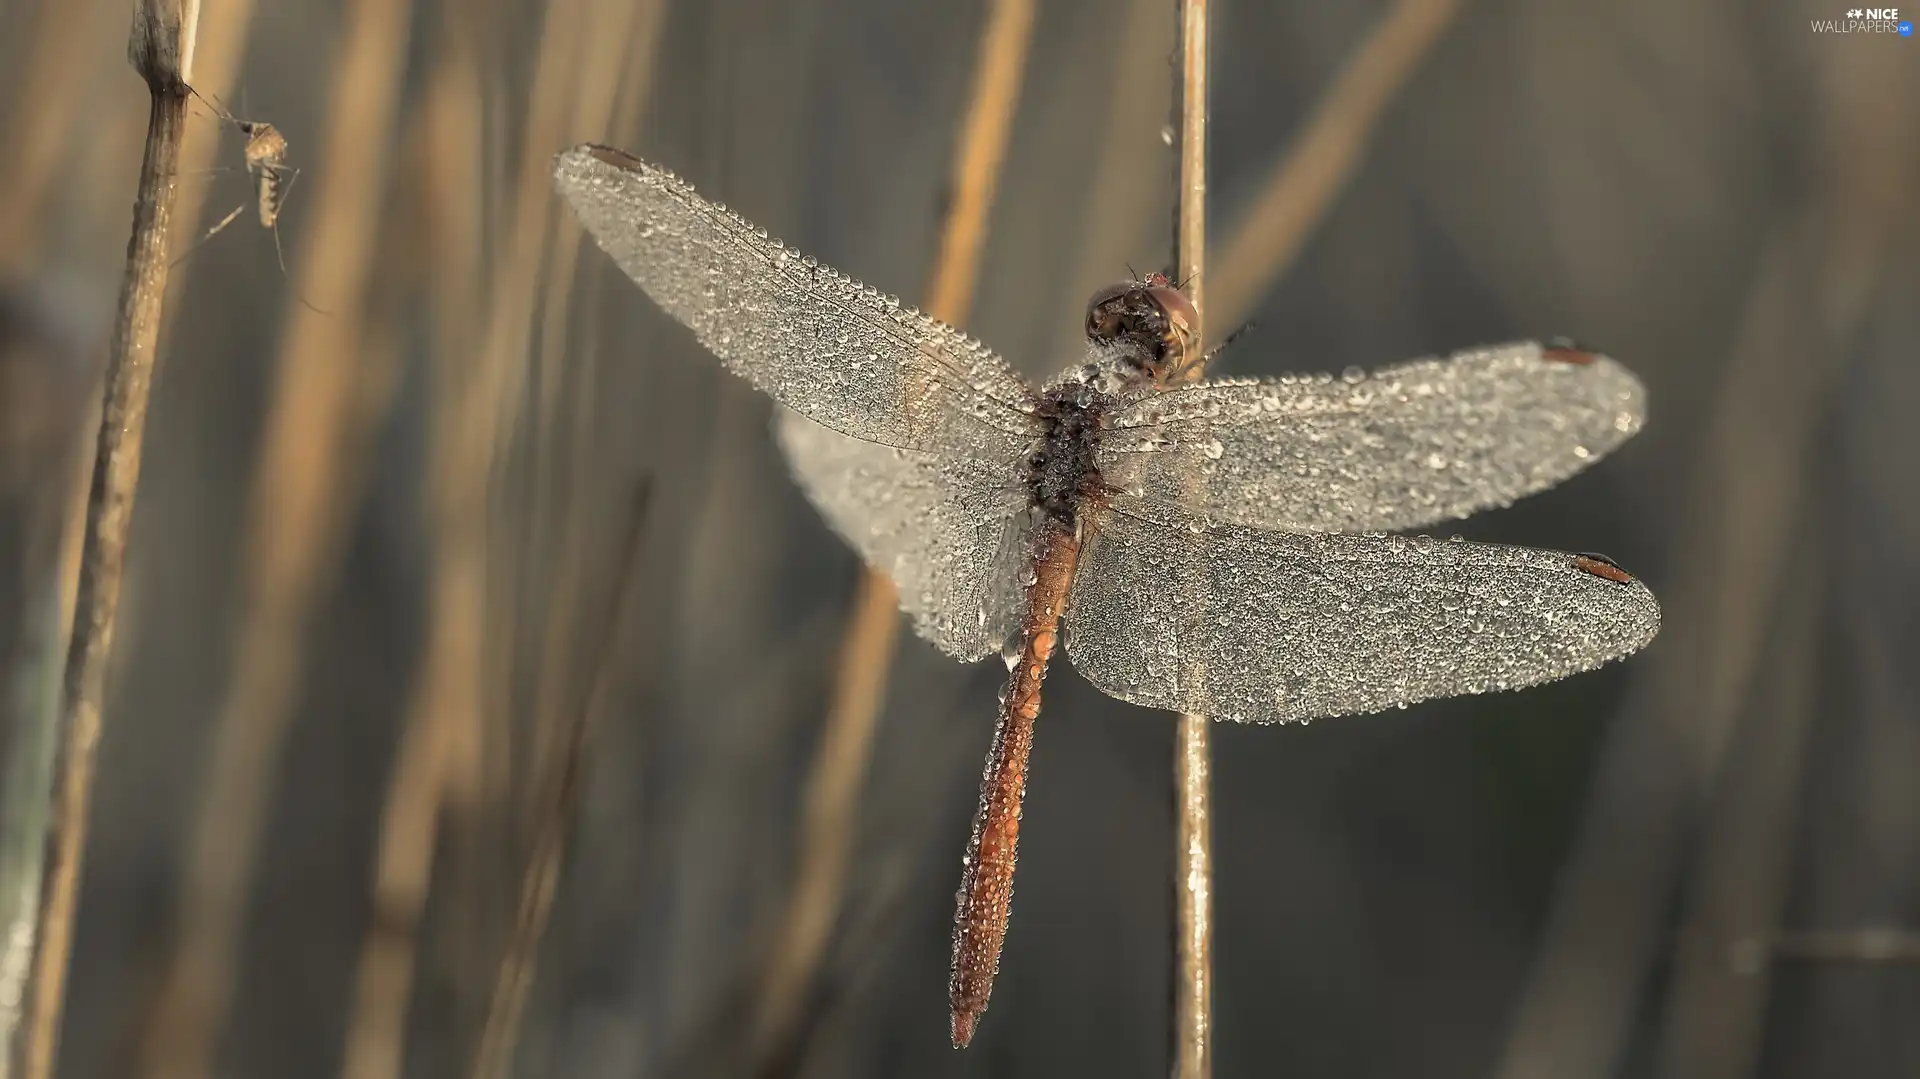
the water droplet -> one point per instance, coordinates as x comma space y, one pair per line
1353, 375
1010, 654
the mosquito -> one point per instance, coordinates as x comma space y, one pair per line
265, 155
1217, 547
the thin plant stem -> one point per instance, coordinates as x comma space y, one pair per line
1322, 158
1295, 197
160, 48
32, 709
442, 731
868, 642
1715, 1010
439, 772
1193, 797
43, 475
1837, 946
616, 78
558, 805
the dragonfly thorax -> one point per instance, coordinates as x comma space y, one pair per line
1060, 471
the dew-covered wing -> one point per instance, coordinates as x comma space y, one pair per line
837, 352
1261, 627
1403, 447
950, 532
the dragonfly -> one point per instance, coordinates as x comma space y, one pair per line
1224, 547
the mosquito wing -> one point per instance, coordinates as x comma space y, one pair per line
1262, 627
951, 532
1403, 447
822, 344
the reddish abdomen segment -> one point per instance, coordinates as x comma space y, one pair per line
986, 885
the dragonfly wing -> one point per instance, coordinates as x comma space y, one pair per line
1262, 627
1403, 447
816, 341
950, 532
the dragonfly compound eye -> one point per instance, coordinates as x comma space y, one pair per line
1106, 311
1149, 321
1179, 322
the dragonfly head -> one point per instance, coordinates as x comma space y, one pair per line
1149, 327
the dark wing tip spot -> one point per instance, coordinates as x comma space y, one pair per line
619, 159
1567, 350
1601, 566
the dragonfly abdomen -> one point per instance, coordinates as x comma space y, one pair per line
986, 885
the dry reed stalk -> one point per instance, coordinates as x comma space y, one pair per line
558, 802
384, 975
825, 838
48, 100
1296, 195
1193, 796
33, 702
327, 400
615, 79
446, 168
529, 223
1323, 156
1840, 946
160, 48
438, 768
437, 742
525, 225
1715, 1008
1664, 753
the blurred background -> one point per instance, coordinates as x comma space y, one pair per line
448, 492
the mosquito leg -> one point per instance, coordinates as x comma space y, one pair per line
211, 233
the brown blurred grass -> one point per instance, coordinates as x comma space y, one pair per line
1666, 766
47, 396
330, 393
439, 770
